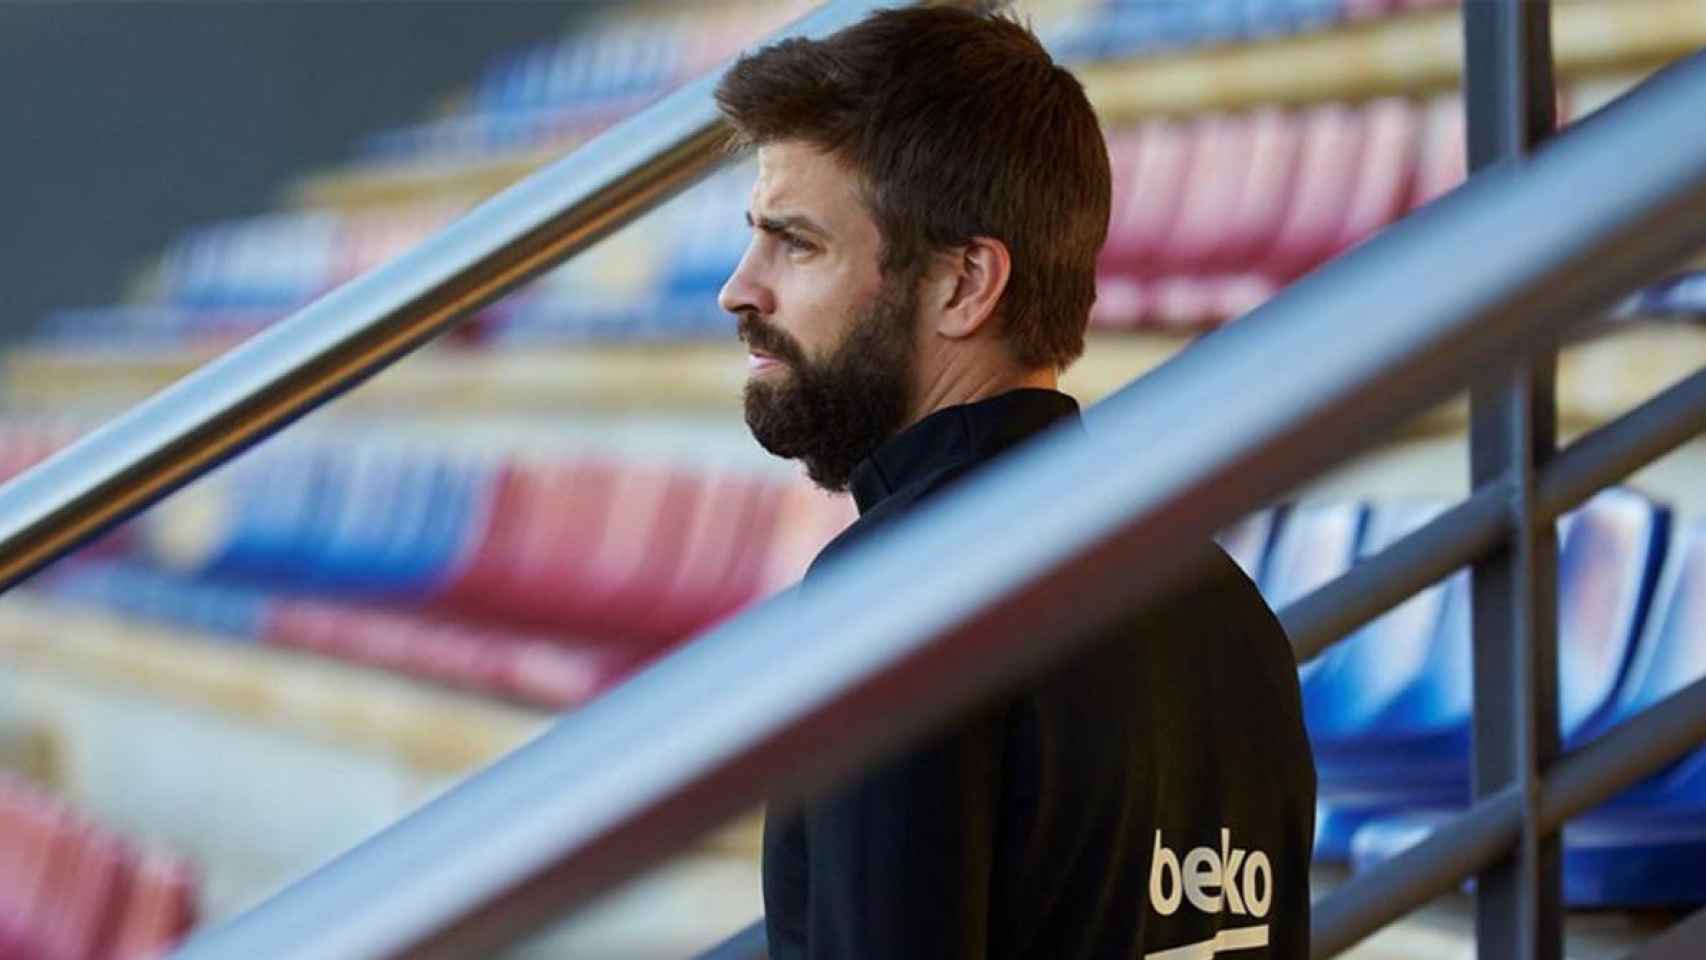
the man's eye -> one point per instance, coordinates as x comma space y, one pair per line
796, 243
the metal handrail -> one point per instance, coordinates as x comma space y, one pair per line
1056, 541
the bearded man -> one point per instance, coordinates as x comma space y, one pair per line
932, 192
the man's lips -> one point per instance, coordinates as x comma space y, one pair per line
757, 361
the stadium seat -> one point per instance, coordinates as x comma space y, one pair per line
1442, 163
645, 544
1414, 753
30, 839
1671, 655
160, 907
1143, 218
1269, 177
398, 519
1247, 541
1335, 137
1386, 180
530, 667
742, 581
712, 541
542, 522
1211, 193
1314, 543
72, 890
79, 920
1359, 677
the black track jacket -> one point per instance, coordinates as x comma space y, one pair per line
1153, 797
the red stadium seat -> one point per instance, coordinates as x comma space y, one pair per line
646, 541
528, 666
808, 519
1333, 139
543, 527
1139, 225
1270, 173
712, 539
36, 837
1369, 9
550, 674
1211, 194
743, 582
1181, 303
159, 909
1121, 302
20, 944
1387, 178
70, 890
81, 919
1442, 164
1237, 294
451, 653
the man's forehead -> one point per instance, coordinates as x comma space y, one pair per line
796, 177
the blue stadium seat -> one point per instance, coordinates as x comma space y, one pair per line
345, 521
1128, 28
403, 519
1248, 540
227, 610
1315, 542
1359, 678
273, 261
1672, 655
1414, 752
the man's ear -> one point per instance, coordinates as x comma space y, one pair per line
968, 286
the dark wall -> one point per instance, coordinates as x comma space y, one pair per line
123, 123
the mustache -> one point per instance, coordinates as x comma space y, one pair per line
761, 336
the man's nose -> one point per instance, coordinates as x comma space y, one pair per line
746, 290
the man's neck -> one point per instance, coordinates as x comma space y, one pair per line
952, 388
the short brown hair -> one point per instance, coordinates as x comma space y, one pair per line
961, 125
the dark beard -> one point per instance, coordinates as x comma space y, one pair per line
833, 414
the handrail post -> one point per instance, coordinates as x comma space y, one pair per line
1510, 108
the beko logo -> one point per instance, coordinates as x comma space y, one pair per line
1238, 881
1228, 880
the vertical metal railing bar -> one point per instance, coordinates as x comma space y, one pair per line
1582, 779
749, 711
1616, 449
1381, 581
357, 330
1509, 104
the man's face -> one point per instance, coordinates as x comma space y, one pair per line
831, 343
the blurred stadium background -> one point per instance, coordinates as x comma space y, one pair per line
285, 657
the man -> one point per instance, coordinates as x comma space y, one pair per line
931, 196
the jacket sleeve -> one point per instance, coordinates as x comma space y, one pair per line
901, 859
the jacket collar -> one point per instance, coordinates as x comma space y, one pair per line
956, 436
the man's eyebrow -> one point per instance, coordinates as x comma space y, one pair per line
785, 223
